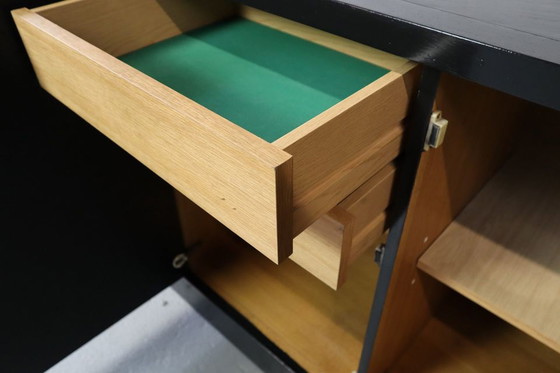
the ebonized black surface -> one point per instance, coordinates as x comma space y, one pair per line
87, 233
525, 27
509, 45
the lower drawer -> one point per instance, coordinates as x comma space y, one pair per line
96, 56
329, 246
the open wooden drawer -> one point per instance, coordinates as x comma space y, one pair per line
334, 242
267, 192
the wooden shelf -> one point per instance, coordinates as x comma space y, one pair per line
464, 338
503, 250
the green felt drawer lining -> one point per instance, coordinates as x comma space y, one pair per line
263, 80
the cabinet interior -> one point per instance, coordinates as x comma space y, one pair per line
485, 135
501, 254
320, 328
503, 250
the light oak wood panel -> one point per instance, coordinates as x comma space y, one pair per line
198, 228
318, 186
133, 24
321, 249
371, 198
240, 179
337, 151
371, 236
464, 338
337, 43
330, 245
318, 327
503, 250
327, 249
481, 134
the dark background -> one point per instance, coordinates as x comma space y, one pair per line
87, 233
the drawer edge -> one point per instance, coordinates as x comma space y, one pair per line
342, 182
322, 247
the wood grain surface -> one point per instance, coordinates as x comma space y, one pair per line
346, 46
371, 198
371, 236
240, 179
133, 24
329, 183
321, 248
482, 129
333, 153
503, 250
337, 151
330, 245
328, 248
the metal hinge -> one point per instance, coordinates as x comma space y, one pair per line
436, 131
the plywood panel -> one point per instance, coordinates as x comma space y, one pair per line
503, 250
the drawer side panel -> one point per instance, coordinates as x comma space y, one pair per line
331, 150
119, 27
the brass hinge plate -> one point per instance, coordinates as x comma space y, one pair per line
436, 131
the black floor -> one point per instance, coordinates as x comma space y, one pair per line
86, 232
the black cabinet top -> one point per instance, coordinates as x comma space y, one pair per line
510, 45
530, 27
